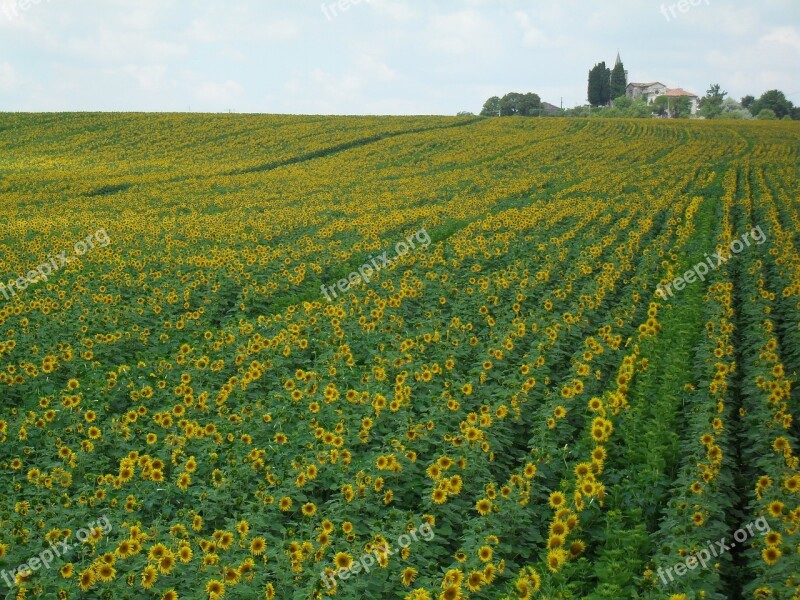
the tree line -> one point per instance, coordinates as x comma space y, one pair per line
513, 104
606, 93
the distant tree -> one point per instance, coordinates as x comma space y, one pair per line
510, 103
731, 109
711, 103
660, 106
683, 107
465, 113
740, 114
729, 104
774, 100
747, 101
622, 102
672, 106
531, 104
491, 108
766, 114
639, 109
513, 104
577, 111
618, 81
599, 89
522, 105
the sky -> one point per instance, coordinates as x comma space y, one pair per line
395, 57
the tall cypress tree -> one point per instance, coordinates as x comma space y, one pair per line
618, 82
599, 91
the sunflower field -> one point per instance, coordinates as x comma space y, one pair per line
515, 409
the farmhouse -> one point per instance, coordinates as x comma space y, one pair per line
550, 109
648, 91
651, 91
694, 101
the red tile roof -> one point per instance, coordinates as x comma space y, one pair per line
679, 92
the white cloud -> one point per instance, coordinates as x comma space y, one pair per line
394, 9
221, 96
229, 23
149, 77
785, 36
321, 91
369, 66
122, 46
8, 77
535, 37
466, 32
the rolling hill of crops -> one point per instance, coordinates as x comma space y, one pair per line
418, 358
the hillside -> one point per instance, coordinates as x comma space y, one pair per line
283, 342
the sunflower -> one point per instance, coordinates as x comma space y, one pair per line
257, 546
775, 508
771, 555
475, 580
149, 576
86, 579
599, 454
184, 480
483, 506
157, 551
792, 484
451, 592
215, 588
534, 578
763, 483
342, 560
555, 559
231, 576
576, 548
557, 500
166, 563
408, 576
558, 528
106, 573
226, 539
